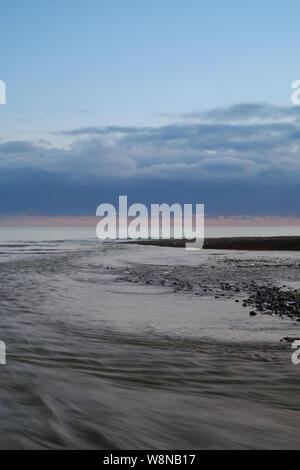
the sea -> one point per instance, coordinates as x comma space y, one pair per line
95, 363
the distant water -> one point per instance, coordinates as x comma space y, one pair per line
37, 234
93, 363
15, 234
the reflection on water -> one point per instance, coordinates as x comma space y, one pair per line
97, 364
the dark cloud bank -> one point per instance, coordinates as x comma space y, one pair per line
241, 160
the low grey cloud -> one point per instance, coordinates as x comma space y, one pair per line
242, 142
247, 112
17, 147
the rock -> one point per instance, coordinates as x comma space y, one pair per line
253, 314
289, 339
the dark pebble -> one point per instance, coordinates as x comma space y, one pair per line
253, 314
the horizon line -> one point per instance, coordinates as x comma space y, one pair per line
91, 221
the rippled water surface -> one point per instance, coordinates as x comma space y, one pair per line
96, 363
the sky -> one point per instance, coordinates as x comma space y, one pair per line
165, 101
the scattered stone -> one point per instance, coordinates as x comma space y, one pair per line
289, 339
255, 277
253, 314
274, 300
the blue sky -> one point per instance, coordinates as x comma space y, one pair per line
110, 95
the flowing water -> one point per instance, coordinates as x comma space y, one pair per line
96, 363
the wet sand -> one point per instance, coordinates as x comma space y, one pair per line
264, 283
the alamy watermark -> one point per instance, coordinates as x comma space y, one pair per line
2, 92
2, 353
296, 94
161, 222
296, 354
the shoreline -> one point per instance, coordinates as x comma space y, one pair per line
282, 243
259, 283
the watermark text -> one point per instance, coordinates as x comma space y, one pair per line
161, 222
2, 92
296, 354
2, 353
296, 95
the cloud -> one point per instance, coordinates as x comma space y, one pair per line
247, 112
242, 146
99, 131
242, 141
17, 147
